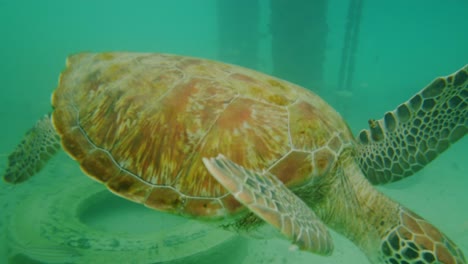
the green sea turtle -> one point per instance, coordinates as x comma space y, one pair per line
220, 142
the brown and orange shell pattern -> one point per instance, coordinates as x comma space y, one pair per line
141, 124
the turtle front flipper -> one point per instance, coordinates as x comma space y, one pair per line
415, 133
37, 147
414, 240
271, 200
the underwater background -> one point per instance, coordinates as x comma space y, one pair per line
363, 57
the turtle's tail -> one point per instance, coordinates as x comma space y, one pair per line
38, 146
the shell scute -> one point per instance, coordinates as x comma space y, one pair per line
99, 164
128, 186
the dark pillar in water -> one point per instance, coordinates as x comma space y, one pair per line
350, 44
238, 26
299, 32
348, 56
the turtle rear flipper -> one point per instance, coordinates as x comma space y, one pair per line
37, 147
414, 240
415, 133
266, 196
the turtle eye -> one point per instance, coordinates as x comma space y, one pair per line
414, 240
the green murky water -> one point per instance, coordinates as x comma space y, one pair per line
364, 59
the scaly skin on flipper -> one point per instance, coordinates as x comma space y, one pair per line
414, 134
384, 230
417, 241
38, 146
265, 195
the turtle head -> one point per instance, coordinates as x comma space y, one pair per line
415, 240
